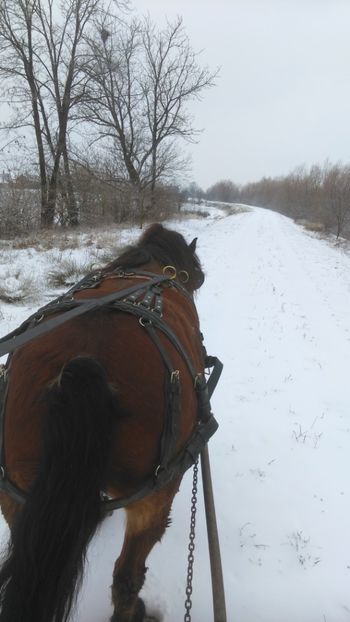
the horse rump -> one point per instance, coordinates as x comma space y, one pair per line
45, 557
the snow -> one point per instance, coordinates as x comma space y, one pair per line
275, 309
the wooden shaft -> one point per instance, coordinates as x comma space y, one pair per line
219, 604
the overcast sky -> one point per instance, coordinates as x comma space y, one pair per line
283, 94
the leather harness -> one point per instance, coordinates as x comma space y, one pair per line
143, 300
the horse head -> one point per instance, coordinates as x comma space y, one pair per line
171, 250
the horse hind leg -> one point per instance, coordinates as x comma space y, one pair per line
146, 523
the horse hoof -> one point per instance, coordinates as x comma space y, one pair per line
139, 614
140, 611
147, 617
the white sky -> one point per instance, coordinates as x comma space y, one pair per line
283, 94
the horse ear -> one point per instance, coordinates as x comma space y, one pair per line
193, 245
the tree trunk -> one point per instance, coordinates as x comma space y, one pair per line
73, 216
52, 191
42, 170
138, 204
44, 212
153, 174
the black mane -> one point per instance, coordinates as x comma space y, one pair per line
164, 246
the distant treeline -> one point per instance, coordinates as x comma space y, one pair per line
99, 201
320, 194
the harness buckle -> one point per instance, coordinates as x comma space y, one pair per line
164, 473
198, 381
175, 376
144, 322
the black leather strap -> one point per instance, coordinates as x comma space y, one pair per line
172, 403
216, 364
21, 336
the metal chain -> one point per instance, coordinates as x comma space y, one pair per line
191, 545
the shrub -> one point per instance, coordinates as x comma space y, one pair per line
68, 271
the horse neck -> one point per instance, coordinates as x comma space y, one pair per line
153, 266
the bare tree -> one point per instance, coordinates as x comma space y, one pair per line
225, 191
139, 85
18, 58
41, 58
172, 76
337, 193
194, 192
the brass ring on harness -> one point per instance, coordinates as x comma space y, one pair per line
170, 272
184, 276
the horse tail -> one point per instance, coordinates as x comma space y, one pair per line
43, 568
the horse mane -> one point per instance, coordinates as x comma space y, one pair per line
159, 244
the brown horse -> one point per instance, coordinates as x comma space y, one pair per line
107, 404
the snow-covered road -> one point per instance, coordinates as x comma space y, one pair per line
275, 308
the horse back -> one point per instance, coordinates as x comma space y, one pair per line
134, 367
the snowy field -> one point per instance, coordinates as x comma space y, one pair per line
275, 308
